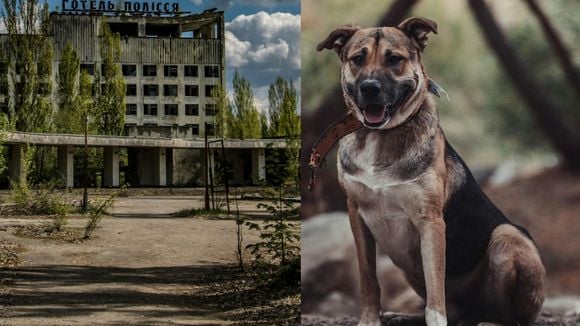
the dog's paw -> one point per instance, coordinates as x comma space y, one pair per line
392, 319
395, 319
370, 322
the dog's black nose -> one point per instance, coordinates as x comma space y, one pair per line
370, 88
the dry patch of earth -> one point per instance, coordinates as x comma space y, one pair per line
142, 266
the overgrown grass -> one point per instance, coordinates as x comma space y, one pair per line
42, 201
195, 212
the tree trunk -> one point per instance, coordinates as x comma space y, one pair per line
564, 138
314, 122
562, 53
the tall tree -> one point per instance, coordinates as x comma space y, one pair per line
275, 99
247, 118
110, 117
563, 55
222, 119
282, 113
289, 120
562, 132
29, 55
264, 126
69, 117
3, 128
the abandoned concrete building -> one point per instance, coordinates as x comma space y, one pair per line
171, 63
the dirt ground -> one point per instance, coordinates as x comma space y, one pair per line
142, 267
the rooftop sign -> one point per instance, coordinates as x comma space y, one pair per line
148, 7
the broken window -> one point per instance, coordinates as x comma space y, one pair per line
190, 71
129, 70
212, 71
162, 30
125, 29
210, 130
131, 90
170, 71
150, 109
170, 109
170, 90
89, 68
191, 90
131, 109
150, 90
191, 109
150, 70
194, 129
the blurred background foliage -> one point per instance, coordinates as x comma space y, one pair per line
485, 119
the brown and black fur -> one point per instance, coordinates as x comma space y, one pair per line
411, 194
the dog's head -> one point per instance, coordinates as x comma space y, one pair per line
383, 80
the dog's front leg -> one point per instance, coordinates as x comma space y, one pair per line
366, 253
432, 236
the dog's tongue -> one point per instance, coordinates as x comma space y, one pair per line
374, 113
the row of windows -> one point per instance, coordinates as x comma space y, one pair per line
170, 109
148, 90
169, 90
151, 70
209, 129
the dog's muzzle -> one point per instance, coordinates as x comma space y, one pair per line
375, 110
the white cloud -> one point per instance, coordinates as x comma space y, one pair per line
3, 29
226, 4
274, 40
236, 50
263, 47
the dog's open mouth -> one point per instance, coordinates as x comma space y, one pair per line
377, 114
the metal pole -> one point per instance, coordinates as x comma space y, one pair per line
206, 168
225, 176
86, 167
211, 180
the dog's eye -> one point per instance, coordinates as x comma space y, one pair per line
394, 59
358, 59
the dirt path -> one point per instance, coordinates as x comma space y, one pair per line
136, 270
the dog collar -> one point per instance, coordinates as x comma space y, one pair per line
327, 140
342, 128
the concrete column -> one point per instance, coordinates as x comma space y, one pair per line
111, 175
161, 162
169, 166
65, 163
16, 163
258, 165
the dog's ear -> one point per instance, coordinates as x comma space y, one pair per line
338, 38
417, 29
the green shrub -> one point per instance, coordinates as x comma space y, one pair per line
41, 201
96, 214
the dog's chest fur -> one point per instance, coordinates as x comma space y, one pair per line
387, 174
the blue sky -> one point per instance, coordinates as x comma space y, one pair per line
262, 39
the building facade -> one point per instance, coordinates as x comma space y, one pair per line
171, 63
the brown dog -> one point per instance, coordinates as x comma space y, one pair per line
409, 192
